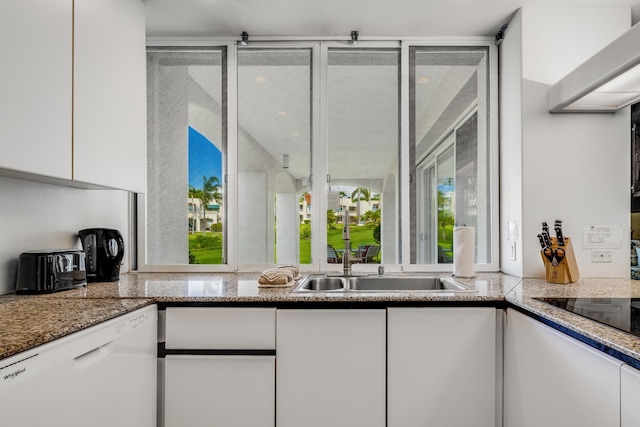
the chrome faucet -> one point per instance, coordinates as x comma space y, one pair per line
346, 236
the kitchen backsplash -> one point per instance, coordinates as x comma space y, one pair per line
44, 216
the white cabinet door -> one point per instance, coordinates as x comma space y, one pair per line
630, 395
441, 367
229, 391
554, 380
109, 127
330, 368
35, 86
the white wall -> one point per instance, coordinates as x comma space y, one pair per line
511, 144
167, 166
254, 245
287, 228
575, 167
42, 216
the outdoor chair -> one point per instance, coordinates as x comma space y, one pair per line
361, 251
443, 258
369, 255
332, 255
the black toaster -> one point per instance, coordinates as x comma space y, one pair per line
46, 271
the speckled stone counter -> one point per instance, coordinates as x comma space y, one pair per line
243, 288
524, 293
66, 312
28, 322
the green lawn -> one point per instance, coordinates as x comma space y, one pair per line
207, 248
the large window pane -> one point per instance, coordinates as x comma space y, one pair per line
186, 156
449, 170
274, 156
363, 146
449, 150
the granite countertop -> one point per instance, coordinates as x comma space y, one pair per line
63, 313
524, 293
243, 288
28, 322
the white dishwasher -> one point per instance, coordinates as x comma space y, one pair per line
104, 375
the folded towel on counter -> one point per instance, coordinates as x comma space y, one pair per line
276, 277
295, 271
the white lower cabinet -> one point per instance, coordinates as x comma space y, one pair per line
630, 395
331, 368
219, 368
395, 367
554, 380
230, 391
441, 367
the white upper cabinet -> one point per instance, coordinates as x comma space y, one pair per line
35, 86
109, 98
73, 92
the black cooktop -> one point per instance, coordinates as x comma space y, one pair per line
620, 313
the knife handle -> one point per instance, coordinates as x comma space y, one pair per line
559, 236
542, 243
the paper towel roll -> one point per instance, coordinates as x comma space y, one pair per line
464, 251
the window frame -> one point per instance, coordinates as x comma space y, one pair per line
320, 244
320, 47
314, 46
492, 70
231, 167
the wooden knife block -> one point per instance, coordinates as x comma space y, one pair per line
567, 270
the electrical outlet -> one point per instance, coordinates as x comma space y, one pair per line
512, 251
601, 256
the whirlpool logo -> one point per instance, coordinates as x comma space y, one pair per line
14, 374
18, 371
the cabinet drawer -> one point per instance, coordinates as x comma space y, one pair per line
224, 391
220, 328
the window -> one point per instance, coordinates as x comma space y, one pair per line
185, 203
274, 156
239, 149
450, 151
363, 87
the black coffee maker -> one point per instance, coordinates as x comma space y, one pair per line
104, 249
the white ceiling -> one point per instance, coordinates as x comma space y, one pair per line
340, 17
280, 124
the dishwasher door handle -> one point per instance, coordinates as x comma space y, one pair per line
92, 357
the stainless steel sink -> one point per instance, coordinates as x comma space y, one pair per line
415, 283
412, 283
322, 283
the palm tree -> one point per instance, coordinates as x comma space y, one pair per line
194, 193
358, 194
210, 191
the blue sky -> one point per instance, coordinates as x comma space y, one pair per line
204, 159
